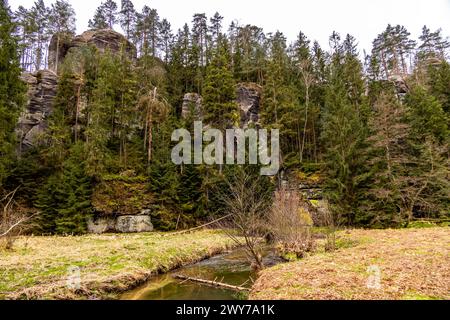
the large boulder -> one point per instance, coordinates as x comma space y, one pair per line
248, 99
32, 123
124, 224
102, 39
101, 225
129, 224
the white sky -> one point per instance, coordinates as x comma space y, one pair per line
364, 19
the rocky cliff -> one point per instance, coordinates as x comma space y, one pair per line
248, 99
192, 106
42, 84
41, 92
103, 39
248, 96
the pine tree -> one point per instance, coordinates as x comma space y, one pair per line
12, 89
433, 45
99, 21
128, 18
304, 68
392, 47
215, 28
109, 8
39, 16
62, 23
409, 166
389, 159
166, 38
164, 180
148, 31
200, 36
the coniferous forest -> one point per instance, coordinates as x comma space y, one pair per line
87, 117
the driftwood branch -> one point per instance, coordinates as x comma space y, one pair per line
212, 283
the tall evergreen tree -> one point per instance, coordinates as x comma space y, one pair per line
219, 93
62, 23
99, 21
12, 93
343, 136
166, 38
109, 8
128, 18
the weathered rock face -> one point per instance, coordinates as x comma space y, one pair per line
192, 105
41, 93
103, 39
128, 224
248, 96
248, 99
123, 224
400, 84
101, 225
57, 55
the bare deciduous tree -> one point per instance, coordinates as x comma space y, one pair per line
247, 201
290, 223
12, 221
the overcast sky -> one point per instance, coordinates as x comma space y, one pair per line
364, 19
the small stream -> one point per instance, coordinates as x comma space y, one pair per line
231, 268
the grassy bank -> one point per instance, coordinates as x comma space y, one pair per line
38, 267
412, 264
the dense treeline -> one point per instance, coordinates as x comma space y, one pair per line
376, 129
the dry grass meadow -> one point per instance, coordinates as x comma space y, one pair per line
412, 264
38, 267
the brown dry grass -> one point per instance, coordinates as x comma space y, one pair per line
414, 264
39, 266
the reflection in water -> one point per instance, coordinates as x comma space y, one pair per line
232, 268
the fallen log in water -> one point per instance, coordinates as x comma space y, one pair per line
212, 283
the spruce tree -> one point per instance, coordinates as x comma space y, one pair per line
219, 92
343, 136
426, 115
64, 200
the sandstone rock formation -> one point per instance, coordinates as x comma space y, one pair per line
399, 83
41, 93
248, 96
123, 224
103, 39
128, 224
42, 85
248, 99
